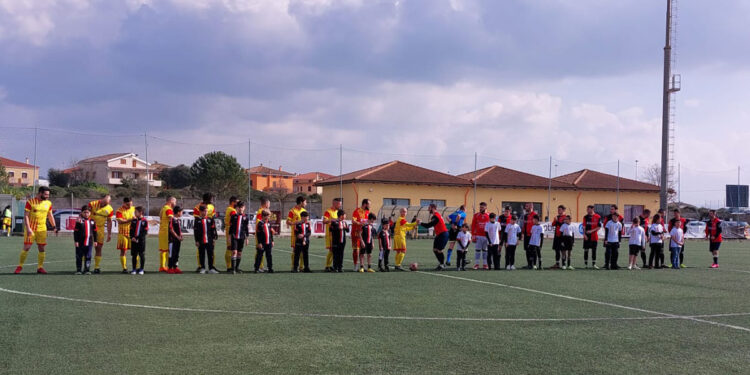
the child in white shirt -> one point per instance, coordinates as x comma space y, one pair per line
492, 229
612, 243
637, 243
656, 239
535, 245
513, 234
568, 232
675, 243
463, 239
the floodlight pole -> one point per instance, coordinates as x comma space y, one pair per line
474, 205
666, 93
148, 190
249, 176
341, 173
618, 182
549, 187
34, 174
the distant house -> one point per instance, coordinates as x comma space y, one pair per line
20, 173
265, 179
305, 183
112, 169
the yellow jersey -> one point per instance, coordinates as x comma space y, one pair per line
295, 214
38, 211
165, 216
227, 217
101, 214
210, 210
126, 214
401, 227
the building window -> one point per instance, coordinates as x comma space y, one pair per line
123, 161
116, 174
309, 188
135, 164
396, 202
602, 209
517, 208
24, 175
136, 175
427, 202
11, 174
632, 211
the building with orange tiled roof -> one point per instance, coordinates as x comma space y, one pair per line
266, 179
20, 173
305, 183
402, 184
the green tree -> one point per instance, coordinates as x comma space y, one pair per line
3, 178
58, 178
176, 177
220, 174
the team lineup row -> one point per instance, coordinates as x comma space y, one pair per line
489, 232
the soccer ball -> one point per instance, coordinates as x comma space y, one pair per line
414, 266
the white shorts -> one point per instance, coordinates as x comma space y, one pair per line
481, 244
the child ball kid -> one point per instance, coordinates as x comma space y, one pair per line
204, 230
463, 239
338, 230
302, 243
238, 232
384, 242
175, 241
367, 242
84, 236
676, 243
138, 233
567, 238
535, 244
512, 235
264, 236
637, 243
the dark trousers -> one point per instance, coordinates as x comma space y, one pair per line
386, 255
338, 256
206, 251
265, 249
656, 254
302, 250
83, 253
138, 250
174, 253
461, 258
510, 255
610, 255
534, 255
493, 256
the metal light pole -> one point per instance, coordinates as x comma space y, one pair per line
636, 169
148, 190
667, 91
34, 174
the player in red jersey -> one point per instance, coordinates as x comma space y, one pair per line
479, 236
441, 235
713, 235
592, 222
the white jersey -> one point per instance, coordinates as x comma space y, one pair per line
637, 235
567, 230
512, 230
613, 232
537, 231
464, 239
656, 228
493, 232
676, 235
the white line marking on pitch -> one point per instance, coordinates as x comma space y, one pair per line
590, 301
348, 316
34, 264
738, 271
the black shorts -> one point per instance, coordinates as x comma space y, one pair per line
714, 246
567, 243
657, 247
590, 244
440, 241
453, 234
238, 244
635, 249
367, 249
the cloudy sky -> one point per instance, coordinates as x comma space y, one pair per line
428, 82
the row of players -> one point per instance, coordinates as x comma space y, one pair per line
488, 241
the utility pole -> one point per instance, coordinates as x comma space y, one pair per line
549, 187
618, 183
148, 183
249, 176
474, 209
636, 169
670, 86
34, 173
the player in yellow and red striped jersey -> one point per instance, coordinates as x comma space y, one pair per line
102, 214
165, 217
359, 220
124, 215
329, 216
227, 220
207, 200
38, 210
295, 217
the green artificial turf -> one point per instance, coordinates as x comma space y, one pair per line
612, 322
